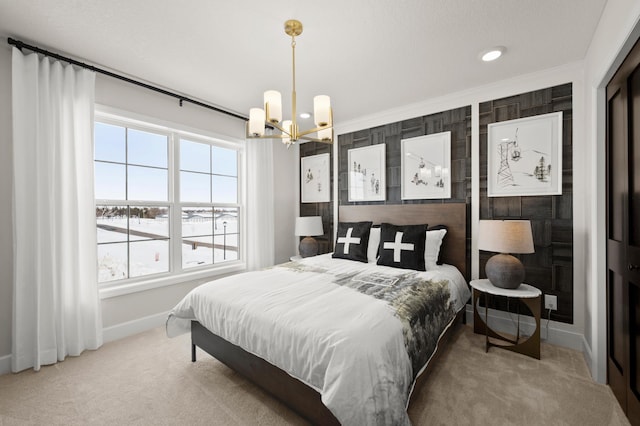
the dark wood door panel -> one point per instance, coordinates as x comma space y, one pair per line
634, 158
617, 156
616, 256
618, 330
623, 234
633, 373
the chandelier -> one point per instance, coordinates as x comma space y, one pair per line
271, 115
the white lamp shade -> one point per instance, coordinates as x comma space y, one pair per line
322, 110
256, 121
273, 106
286, 125
505, 236
309, 226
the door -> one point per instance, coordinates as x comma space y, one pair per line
623, 234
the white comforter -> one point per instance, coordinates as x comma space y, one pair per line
347, 345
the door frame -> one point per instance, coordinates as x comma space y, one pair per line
596, 343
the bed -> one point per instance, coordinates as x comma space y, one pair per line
335, 355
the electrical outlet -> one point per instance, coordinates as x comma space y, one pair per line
551, 302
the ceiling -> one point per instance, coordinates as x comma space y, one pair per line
368, 55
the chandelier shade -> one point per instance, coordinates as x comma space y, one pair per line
273, 106
270, 116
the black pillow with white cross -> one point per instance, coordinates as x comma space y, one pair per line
352, 241
402, 246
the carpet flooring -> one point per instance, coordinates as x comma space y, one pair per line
149, 379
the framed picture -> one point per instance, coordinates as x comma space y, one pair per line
426, 167
314, 178
367, 173
524, 156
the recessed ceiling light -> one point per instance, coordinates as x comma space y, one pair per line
492, 54
305, 115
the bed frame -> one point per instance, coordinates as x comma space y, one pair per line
301, 398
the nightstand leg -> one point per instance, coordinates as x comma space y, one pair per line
518, 313
486, 322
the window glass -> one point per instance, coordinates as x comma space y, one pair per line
147, 149
195, 156
148, 222
226, 248
195, 187
147, 184
224, 161
110, 143
197, 221
110, 181
148, 257
112, 262
226, 221
224, 189
112, 224
197, 251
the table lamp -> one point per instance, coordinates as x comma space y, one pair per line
505, 237
308, 227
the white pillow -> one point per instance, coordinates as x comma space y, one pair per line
431, 248
374, 242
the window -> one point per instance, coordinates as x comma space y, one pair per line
167, 202
208, 177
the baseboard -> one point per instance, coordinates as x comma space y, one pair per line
110, 334
588, 356
132, 327
5, 364
550, 331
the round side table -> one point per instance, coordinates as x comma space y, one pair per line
529, 295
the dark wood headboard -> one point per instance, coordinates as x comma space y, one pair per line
454, 215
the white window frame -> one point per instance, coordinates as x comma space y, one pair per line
176, 274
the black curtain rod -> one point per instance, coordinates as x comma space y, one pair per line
20, 45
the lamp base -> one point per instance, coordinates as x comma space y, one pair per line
308, 247
505, 271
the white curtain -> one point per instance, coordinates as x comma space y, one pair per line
56, 308
260, 207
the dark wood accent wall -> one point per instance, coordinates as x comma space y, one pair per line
325, 210
457, 121
550, 268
